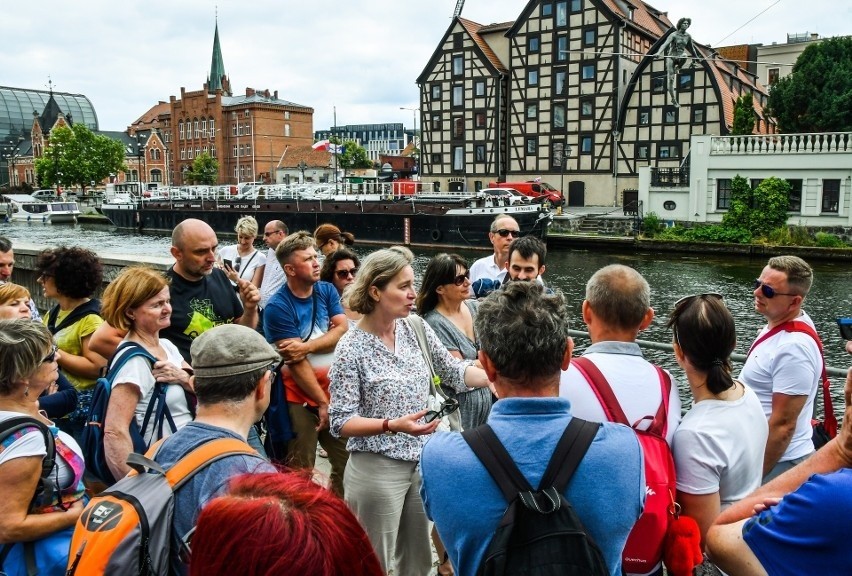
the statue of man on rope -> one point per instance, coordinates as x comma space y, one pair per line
679, 53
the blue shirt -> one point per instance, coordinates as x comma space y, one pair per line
607, 491
288, 316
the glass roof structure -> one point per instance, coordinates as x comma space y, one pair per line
17, 106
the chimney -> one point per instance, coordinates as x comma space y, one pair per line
276, 95
249, 92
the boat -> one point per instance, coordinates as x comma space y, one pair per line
27, 208
381, 215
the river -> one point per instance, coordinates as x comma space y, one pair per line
671, 277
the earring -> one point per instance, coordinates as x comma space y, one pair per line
27, 391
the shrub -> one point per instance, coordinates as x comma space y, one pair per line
652, 225
826, 240
769, 206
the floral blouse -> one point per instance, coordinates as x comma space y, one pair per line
369, 380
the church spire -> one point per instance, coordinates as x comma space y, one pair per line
217, 66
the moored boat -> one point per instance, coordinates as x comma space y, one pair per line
24, 207
441, 220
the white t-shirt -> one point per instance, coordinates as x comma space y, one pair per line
137, 372
248, 264
273, 278
787, 363
487, 268
32, 444
634, 381
719, 446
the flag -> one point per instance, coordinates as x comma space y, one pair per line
538, 179
336, 148
321, 145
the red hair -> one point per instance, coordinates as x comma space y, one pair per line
280, 523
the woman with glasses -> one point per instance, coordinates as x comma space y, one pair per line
33, 522
137, 302
71, 277
379, 390
243, 260
443, 302
718, 447
340, 268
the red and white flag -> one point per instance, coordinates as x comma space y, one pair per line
321, 145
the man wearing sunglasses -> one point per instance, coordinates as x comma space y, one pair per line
504, 229
784, 366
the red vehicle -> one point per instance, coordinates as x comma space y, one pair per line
540, 191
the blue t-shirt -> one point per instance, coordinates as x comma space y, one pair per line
288, 316
806, 533
206, 484
607, 491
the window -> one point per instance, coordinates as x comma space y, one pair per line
204, 128
685, 80
576, 5
458, 127
670, 115
246, 114
697, 114
658, 82
180, 130
587, 107
532, 77
558, 116
211, 125
458, 158
436, 158
794, 200
236, 151
458, 96
532, 145
665, 151
436, 91
479, 88
773, 75
248, 128
458, 65
436, 121
479, 153
480, 119
644, 116
585, 144
197, 127
189, 155
156, 175
458, 41
723, 193
533, 43
234, 130
286, 115
755, 182
561, 13
183, 153
589, 36
830, 195
286, 130
532, 110
558, 156
561, 49
212, 150
588, 71
547, 9
198, 151
559, 83
642, 151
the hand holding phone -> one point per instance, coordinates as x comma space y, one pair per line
845, 325
228, 263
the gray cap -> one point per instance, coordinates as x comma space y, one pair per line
229, 350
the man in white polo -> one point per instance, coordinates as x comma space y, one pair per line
504, 229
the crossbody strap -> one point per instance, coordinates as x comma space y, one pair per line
416, 323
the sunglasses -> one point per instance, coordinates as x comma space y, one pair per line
449, 406
505, 233
265, 234
686, 299
767, 290
51, 357
460, 279
344, 274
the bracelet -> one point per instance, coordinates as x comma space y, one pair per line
386, 428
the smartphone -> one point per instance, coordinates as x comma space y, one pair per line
228, 263
845, 325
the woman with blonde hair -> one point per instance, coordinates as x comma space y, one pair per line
246, 261
329, 238
138, 302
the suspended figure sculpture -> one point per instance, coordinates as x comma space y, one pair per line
679, 53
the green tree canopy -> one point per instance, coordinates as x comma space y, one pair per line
758, 211
353, 156
205, 170
77, 156
817, 95
743, 116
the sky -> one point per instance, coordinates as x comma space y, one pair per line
360, 57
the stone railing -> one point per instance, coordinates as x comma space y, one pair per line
820, 143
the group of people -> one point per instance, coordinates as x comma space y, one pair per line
320, 342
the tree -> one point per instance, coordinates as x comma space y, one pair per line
205, 170
758, 211
353, 156
743, 116
817, 95
77, 156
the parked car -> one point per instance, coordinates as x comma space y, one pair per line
44, 195
510, 194
537, 190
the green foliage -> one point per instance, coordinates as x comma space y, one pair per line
826, 240
741, 202
353, 156
769, 206
817, 95
708, 233
77, 156
790, 236
205, 170
652, 225
743, 116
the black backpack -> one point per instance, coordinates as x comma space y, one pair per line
539, 534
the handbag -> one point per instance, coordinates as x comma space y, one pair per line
437, 397
47, 556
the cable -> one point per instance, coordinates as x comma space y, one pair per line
748, 22
641, 55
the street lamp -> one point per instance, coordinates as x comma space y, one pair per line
414, 112
140, 158
566, 152
302, 166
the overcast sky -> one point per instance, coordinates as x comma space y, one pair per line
361, 56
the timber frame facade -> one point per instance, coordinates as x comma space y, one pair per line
568, 93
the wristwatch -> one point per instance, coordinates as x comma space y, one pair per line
386, 428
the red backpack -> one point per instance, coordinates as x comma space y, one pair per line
644, 548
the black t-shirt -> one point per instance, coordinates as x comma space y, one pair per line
198, 306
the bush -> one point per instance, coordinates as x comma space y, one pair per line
652, 225
789, 236
769, 206
826, 240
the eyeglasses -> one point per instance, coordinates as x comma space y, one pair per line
768, 290
686, 299
460, 279
449, 406
344, 274
504, 232
51, 357
265, 234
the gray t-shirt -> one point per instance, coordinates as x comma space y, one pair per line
206, 484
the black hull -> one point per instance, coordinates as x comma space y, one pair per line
420, 224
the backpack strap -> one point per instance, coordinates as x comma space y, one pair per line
416, 323
569, 452
46, 484
87, 308
209, 452
117, 361
497, 461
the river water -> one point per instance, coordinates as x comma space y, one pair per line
671, 277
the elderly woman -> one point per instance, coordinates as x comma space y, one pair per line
718, 447
60, 398
329, 238
138, 301
28, 367
340, 268
443, 302
71, 277
379, 392
246, 261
